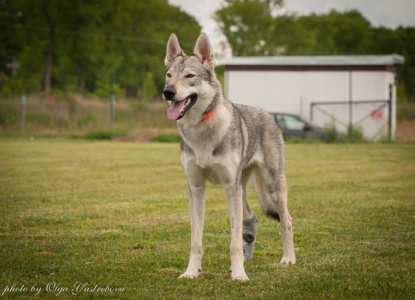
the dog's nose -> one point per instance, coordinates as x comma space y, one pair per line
169, 93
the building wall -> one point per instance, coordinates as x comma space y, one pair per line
294, 91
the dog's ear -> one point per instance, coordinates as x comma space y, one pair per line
173, 49
203, 50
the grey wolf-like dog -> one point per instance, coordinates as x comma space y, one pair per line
225, 143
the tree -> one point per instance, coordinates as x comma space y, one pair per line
252, 28
338, 33
406, 38
290, 37
45, 17
247, 25
73, 43
10, 43
149, 90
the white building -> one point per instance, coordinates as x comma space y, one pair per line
320, 89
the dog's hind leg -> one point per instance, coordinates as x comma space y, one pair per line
272, 193
250, 221
197, 214
235, 194
279, 198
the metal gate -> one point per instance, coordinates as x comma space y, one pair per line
371, 116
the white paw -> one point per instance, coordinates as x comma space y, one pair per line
288, 260
242, 278
186, 275
191, 275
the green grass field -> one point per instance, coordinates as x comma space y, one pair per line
115, 214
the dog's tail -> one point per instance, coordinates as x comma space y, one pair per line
264, 198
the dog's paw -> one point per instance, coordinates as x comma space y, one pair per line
241, 277
187, 275
288, 260
191, 275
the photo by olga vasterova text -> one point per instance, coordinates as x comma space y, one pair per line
58, 288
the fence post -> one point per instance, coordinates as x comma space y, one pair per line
23, 100
390, 111
311, 111
350, 103
112, 95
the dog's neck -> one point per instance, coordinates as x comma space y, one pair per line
207, 116
202, 138
195, 130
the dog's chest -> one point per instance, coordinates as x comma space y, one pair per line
201, 153
215, 168
202, 142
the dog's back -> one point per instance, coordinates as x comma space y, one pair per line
263, 152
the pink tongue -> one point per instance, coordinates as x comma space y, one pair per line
175, 109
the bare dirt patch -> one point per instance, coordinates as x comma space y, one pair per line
145, 134
405, 131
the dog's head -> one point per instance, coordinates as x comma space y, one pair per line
190, 80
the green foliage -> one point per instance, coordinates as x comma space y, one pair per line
355, 134
57, 114
246, 24
40, 118
8, 115
338, 33
149, 90
220, 74
307, 140
86, 38
331, 132
166, 138
99, 135
401, 95
405, 111
103, 85
86, 119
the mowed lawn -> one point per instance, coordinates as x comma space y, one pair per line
111, 220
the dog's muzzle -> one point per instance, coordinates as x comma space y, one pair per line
169, 93
178, 108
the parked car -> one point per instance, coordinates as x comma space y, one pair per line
294, 126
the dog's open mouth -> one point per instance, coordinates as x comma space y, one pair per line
178, 109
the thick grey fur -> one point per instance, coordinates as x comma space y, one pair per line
236, 142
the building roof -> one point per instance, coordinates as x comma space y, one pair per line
335, 60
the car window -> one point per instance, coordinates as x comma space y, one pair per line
290, 122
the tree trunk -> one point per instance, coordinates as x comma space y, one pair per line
49, 61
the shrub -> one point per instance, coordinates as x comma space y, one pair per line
307, 140
166, 138
149, 90
99, 135
331, 132
8, 114
86, 119
354, 134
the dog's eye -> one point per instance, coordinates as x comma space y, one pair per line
168, 75
189, 76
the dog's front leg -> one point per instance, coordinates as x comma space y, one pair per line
235, 205
197, 215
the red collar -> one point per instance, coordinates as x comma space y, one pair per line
207, 116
